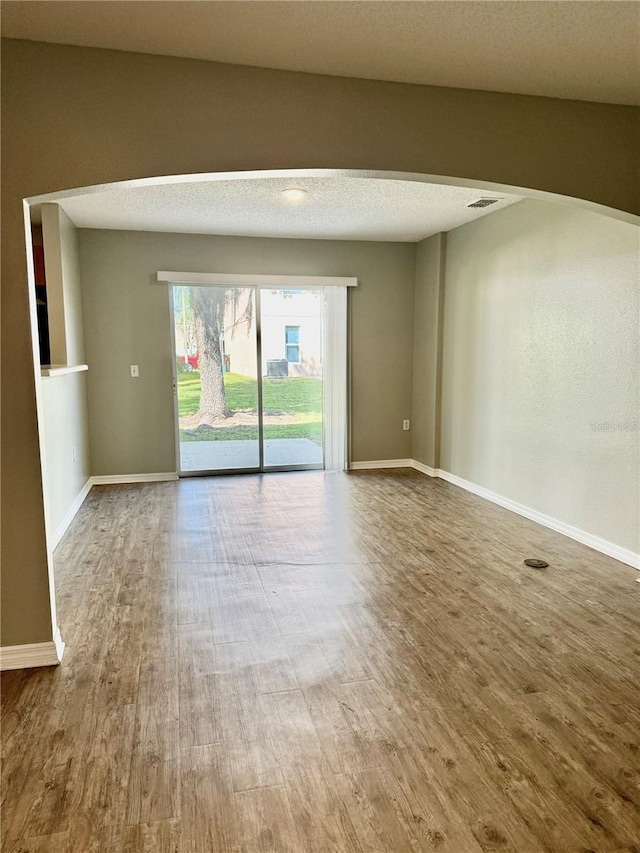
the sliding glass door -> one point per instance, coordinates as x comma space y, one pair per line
292, 380
249, 381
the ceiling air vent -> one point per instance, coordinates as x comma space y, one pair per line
483, 202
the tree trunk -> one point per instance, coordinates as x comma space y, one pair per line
208, 308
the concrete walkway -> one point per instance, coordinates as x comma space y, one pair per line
228, 455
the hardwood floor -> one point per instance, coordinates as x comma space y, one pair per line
309, 662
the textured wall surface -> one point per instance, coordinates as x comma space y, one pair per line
127, 322
541, 364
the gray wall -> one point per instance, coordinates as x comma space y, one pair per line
126, 318
427, 350
64, 397
540, 371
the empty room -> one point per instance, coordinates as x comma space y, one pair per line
320, 406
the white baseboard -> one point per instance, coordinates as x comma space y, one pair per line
116, 479
59, 643
624, 555
419, 466
32, 654
61, 529
381, 463
630, 558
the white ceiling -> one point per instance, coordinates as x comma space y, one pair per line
341, 208
570, 49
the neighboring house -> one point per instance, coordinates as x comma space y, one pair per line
292, 332
291, 335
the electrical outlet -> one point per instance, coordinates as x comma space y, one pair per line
405, 425
134, 371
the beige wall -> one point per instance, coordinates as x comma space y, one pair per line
76, 116
127, 322
64, 397
427, 350
64, 298
540, 373
65, 424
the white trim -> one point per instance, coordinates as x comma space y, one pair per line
378, 174
381, 463
171, 291
334, 344
241, 280
624, 555
425, 469
35, 349
61, 369
32, 654
59, 643
115, 479
61, 529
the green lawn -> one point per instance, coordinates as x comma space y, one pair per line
299, 397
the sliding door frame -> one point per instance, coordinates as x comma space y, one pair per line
332, 402
258, 309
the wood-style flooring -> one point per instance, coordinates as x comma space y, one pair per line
310, 662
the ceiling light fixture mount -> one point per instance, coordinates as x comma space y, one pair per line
294, 194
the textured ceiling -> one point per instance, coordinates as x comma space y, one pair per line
335, 208
583, 50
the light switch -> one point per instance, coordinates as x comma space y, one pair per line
134, 371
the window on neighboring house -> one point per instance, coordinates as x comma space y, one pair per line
292, 343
